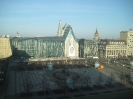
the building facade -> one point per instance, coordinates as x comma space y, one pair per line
88, 48
112, 48
128, 37
5, 53
38, 47
65, 44
71, 43
5, 48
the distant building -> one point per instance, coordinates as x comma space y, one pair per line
65, 44
96, 35
110, 48
17, 35
128, 37
88, 48
7, 36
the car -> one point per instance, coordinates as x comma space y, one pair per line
122, 65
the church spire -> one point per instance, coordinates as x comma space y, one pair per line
17, 35
96, 35
59, 29
96, 30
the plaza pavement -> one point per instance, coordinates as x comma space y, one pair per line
34, 79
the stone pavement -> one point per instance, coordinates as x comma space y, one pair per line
35, 79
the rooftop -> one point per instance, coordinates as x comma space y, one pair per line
57, 38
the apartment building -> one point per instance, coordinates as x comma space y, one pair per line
128, 37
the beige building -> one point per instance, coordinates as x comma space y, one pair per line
5, 48
128, 37
96, 35
112, 48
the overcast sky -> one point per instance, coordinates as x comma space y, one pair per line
41, 17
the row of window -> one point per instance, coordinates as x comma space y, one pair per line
115, 48
116, 51
117, 42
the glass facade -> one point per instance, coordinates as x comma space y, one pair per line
38, 47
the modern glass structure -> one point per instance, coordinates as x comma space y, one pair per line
88, 48
38, 47
46, 47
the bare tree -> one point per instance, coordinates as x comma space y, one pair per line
111, 79
78, 84
58, 82
81, 82
62, 84
99, 79
88, 80
27, 85
45, 84
47, 87
121, 79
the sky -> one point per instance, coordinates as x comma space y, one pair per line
41, 17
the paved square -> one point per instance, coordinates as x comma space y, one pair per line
32, 79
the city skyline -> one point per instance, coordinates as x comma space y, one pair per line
41, 18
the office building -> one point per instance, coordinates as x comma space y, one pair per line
128, 37
110, 48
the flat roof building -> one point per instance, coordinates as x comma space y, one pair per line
128, 37
5, 48
110, 48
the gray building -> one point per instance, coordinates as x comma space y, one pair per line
110, 48
88, 48
128, 37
